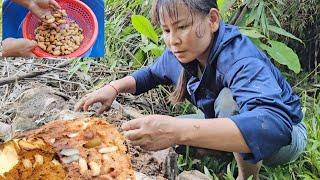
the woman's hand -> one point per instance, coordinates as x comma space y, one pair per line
18, 47
41, 8
105, 96
153, 132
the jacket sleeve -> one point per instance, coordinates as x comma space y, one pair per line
165, 70
263, 117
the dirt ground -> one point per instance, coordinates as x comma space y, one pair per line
33, 101
37, 101
149, 163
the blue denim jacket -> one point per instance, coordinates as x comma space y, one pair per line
268, 106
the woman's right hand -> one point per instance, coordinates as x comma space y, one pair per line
105, 95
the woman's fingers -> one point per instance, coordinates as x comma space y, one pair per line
139, 142
79, 105
131, 125
32, 43
54, 4
133, 135
103, 108
30, 54
89, 102
144, 142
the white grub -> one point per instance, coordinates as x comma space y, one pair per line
38, 160
52, 140
72, 135
70, 159
26, 145
27, 163
95, 168
69, 152
55, 162
83, 166
106, 150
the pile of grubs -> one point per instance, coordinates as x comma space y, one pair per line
58, 35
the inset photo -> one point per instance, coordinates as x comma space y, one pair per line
53, 28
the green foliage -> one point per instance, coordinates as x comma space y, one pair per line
143, 26
255, 18
230, 171
147, 31
297, 16
283, 54
224, 7
283, 32
80, 65
122, 41
302, 18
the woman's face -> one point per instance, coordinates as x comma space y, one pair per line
187, 36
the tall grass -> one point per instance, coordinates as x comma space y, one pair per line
122, 41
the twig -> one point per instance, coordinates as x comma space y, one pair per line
15, 78
312, 72
127, 111
63, 80
45, 65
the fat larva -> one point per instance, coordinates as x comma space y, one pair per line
57, 35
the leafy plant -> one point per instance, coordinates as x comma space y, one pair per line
147, 32
257, 20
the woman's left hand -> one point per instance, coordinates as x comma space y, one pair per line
42, 8
153, 132
18, 47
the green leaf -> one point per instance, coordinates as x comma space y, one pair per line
258, 14
252, 3
155, 50
250, 177
144, 26
251, 17
264, 23
253, 33
283, 55
275, 18
220, 4
207, 172
139, 59
284, 33
246, 2
224, 6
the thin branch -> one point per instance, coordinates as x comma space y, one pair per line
15, 78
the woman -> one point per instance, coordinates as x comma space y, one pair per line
249, 107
